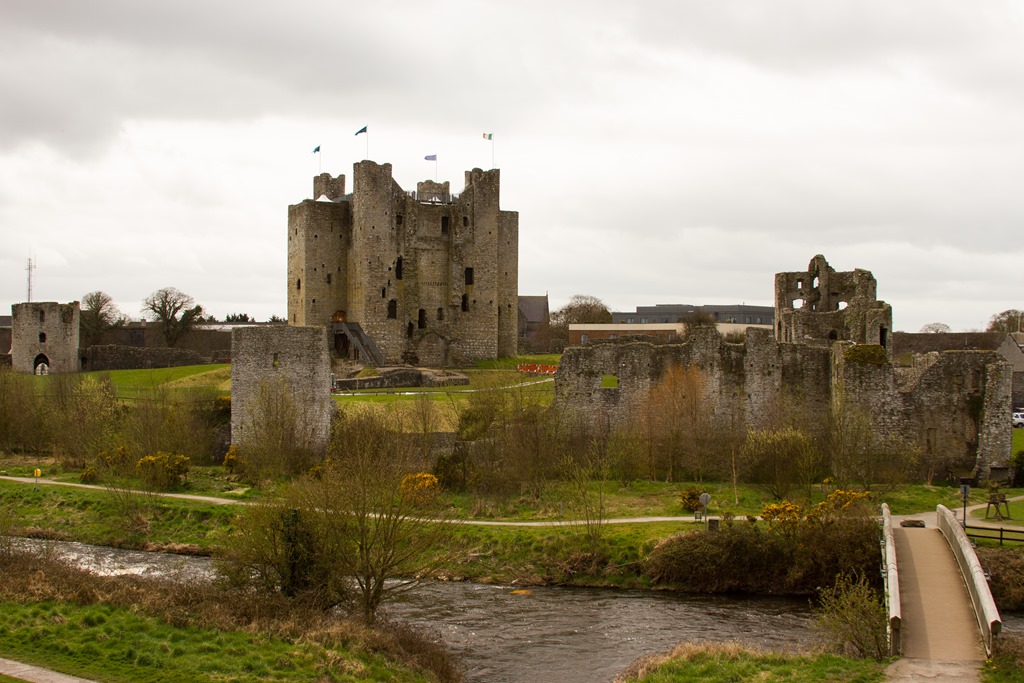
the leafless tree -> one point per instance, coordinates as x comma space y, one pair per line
176, 313
371, 494
99, 314
936, 328
582, 308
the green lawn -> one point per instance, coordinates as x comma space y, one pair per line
731, 664
98, 517
120, 644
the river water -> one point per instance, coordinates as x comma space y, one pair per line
568, 635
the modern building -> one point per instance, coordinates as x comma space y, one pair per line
740, 314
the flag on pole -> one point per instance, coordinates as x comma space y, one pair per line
488, 136
431, 157
316, 150
361, 130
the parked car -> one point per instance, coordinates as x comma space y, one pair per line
1018, 419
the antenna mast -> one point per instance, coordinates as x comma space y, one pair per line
30, 268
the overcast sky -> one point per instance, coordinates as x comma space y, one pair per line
657, 152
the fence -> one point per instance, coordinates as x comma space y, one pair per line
1001, 534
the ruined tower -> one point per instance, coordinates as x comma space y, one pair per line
44, 337
819, 306
424, 277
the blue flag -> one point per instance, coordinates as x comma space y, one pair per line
361, 130
316, 149
431, 157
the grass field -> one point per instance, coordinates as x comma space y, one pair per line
119, 644
713, 663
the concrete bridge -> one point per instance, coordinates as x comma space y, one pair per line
942, 618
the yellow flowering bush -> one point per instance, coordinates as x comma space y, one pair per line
839, 503
782, 512
231, 461
163, 470
420, 488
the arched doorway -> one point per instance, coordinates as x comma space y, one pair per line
41, 365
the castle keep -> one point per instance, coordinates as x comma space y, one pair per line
424, 277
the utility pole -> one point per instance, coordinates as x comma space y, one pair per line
30, 268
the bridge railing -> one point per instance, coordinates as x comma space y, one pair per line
977, 584
892, 583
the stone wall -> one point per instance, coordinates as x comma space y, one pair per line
113, 357
288, 358
45, 332
954, 407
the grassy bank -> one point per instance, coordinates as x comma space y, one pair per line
562, 555
136, 520
134, 629
730, 663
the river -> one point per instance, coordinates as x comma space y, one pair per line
569, 635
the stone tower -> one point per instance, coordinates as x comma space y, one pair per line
424, 277
44, 337
820, 305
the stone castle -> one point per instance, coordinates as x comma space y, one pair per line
423, 278
830, 351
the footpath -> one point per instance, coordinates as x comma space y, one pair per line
35, 674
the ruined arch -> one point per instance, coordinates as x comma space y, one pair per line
41, 365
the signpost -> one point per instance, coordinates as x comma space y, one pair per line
705, 498
965, 491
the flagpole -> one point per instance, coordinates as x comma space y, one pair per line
367, 144
435, 168
492, 152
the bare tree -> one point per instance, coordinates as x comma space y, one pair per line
582, 308
936, 328
99, 315
679, 410
176, 313
778, 458
388, 513
277, 438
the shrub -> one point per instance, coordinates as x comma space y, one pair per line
162, 471
452, 470
231, 459
689, 499
850, 619
420, 488
868, 354
794, 554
